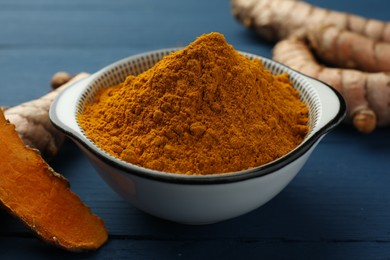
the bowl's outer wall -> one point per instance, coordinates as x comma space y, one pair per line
197, 204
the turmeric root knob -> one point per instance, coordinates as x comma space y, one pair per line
59, 79
364, 120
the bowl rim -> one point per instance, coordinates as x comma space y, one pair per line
217, 178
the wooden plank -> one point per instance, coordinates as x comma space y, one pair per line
332, 198
240, 248
336, 208
112, 25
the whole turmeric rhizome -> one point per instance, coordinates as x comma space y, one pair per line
205, 109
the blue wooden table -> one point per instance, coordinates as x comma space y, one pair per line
338, 207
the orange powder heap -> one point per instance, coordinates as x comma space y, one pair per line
205, 109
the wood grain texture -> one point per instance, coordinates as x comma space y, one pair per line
338, 206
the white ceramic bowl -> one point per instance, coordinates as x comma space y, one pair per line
194, 199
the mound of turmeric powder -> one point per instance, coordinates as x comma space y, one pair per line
205, 109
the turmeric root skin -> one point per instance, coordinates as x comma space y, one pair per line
366, 94
33, 124
365, 121
348, 49
60, 78
42, 199
278, 19
357, 47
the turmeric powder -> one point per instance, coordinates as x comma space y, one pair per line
205, 109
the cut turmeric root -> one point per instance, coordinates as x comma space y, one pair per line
367, 94
42, 199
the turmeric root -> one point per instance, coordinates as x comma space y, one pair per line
354, 45
42, 199
33, 124
367, 94
278, 19
59, 79
348, 49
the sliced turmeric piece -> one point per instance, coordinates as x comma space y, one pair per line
42, 199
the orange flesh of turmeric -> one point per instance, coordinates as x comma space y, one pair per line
42, 199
